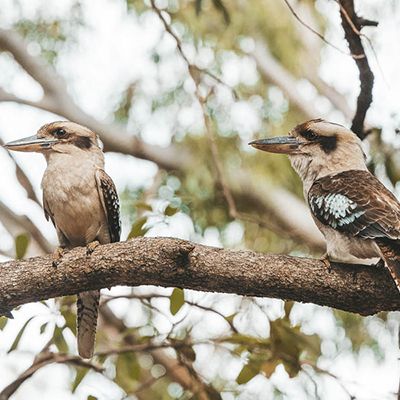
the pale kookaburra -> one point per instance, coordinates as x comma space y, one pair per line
358, 216
81, 201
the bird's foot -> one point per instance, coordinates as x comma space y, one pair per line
327, 263
57, 256
90, 247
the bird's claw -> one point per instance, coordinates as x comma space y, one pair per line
57, 256
327, 263
90, 247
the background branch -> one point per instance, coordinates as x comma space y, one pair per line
352, 24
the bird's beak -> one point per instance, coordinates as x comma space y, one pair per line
31, 143
279, 144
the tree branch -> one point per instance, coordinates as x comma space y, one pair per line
41, 361
352, 25
173, 262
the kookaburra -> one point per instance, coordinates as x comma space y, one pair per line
358, 216
81, 201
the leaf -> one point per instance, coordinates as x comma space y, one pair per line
80, 374
18, 337
177, 300
70, 319
3, 322
247, 373
90, 397
268, 368
170, 211
59, 340
143, 206
43, 328
137, 228
127, 372
21, 245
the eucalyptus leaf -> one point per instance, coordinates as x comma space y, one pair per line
177, 300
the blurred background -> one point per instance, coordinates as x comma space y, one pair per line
176, 89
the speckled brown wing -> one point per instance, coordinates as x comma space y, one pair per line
109, 199
356, 203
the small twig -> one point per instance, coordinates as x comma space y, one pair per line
164, 296
41, 360
204, 71
202, 101
355, 56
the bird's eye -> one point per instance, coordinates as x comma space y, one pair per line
59, 133
309, 134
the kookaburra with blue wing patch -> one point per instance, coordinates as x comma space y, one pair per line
357, 214
81, 201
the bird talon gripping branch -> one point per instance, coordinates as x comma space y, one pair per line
327, 263
91, 247
358, 216
57, 256
81, 201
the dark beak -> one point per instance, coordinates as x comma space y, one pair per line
31, 143
280, 144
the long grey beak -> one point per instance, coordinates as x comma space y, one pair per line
31, 143
279, 144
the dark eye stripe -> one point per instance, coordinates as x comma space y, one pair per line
309, 134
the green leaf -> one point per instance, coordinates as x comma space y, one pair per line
43, 328
80, 374
3, 322
247, 373
59, 340
90, 397
268, 368
18, 337
21, 245
170, 211
177, 300
70, 319
137, 228
143, 206
127, 372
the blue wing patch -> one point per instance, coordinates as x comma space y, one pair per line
335, 209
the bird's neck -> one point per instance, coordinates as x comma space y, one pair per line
310, 169
75, 157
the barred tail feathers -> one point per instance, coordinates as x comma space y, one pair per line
88, 305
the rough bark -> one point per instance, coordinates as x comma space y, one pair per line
352, 24
174, 262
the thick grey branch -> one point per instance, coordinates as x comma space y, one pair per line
174, 262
